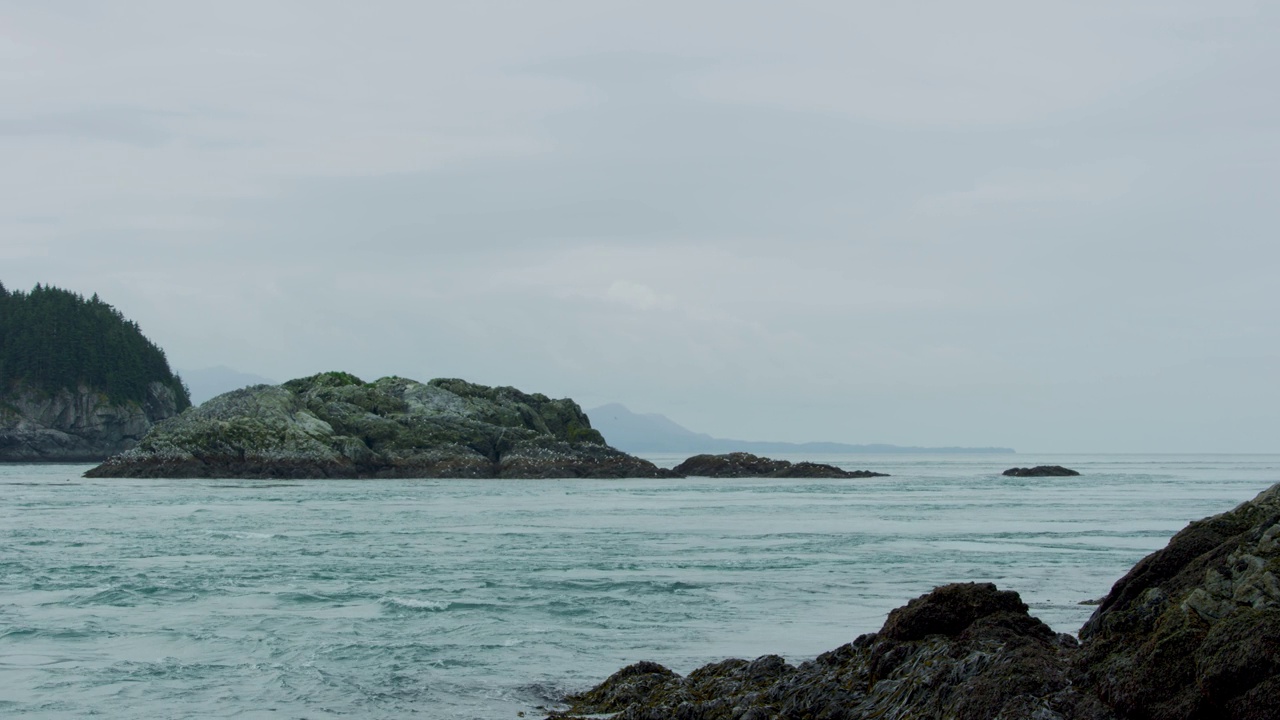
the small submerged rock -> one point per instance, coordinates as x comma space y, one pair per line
1041, 471
746, 465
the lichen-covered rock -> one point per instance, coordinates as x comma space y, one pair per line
83, 425
1193, 630
336, 425
747, 465
1041, 471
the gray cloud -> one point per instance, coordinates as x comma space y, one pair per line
1043, 226
131, 126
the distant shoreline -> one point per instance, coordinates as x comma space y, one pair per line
654, 433
719, 445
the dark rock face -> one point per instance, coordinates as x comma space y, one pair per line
987, 659
948, 610
731, 465
746, 465
1191, 633
335, 425
79, 426
1193, 630
1041, 471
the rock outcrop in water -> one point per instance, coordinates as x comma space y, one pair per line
1191, 633
80, 425
1041, 471
746, 465
335, 425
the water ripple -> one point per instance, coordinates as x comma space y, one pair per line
138, 599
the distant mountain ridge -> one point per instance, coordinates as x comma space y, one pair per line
654, 433
211, 382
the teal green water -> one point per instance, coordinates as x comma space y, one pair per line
482, 599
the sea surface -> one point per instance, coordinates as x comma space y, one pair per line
485, 598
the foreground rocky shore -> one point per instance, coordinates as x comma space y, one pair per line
1192, 632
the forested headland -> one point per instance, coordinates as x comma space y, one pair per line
52, 339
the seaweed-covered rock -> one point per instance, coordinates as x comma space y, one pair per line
949, 610
1041, 471
632, 684
969, 652
336, 425
746, 465
1193, 630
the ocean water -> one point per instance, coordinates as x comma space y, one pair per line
484, 599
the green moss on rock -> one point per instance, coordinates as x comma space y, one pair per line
333, 378
336, 425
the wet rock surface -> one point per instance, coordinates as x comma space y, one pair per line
1191, 633
1041, 471
335, 425
1193, 630
81, 425
965, 651
747, 465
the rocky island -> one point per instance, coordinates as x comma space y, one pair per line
1192, 632
78, 382
747, 465
1041, 471
335, 425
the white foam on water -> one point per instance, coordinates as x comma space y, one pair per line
414, 604
244, 535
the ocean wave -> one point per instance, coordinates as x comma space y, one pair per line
26, 633
416, 605
244, 535
617, 584
314, 598
122, 596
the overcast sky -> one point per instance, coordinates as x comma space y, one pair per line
1051, 226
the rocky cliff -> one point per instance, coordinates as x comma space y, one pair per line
1191, 633
83, 425
336, 425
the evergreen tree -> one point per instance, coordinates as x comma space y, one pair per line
52, 339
